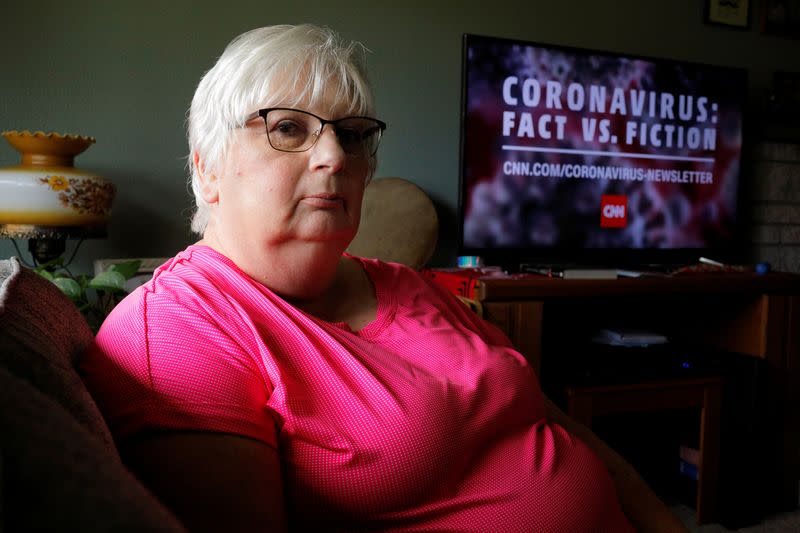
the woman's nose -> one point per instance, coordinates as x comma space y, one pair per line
327, 152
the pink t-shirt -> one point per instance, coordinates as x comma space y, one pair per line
424, 420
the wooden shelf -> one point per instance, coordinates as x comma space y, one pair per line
758, 316
505, 289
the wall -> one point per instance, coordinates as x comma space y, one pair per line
125, 72
775, 195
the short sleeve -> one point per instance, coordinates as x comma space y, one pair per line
168, 359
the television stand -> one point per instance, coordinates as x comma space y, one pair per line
567, 272
584, 272
590, 273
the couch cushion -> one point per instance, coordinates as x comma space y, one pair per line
59, 467
41, 336
398, 223
57, 476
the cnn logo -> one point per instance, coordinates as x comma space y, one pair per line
613, 211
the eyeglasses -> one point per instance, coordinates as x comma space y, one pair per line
292, 130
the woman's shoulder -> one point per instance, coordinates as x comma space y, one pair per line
197, 270
406, 285
187, 283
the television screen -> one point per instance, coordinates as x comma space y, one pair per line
581, 156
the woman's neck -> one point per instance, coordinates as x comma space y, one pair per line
295, 270
350, 299
320, 281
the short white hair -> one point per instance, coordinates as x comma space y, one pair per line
276, 65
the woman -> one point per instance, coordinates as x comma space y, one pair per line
264, 379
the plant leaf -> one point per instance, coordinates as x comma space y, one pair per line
126, 268
69, 287
110, 280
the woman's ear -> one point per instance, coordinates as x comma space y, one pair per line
209, 183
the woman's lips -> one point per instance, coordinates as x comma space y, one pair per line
324, 201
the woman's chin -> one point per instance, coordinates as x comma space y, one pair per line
328, 234
311, 223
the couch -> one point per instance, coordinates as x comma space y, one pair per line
59, 466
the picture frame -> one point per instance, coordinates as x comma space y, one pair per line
729, 13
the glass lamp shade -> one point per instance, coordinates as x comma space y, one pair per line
46, 200
46, 194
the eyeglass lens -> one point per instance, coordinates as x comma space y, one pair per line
291, 130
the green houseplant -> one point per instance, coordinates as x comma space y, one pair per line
94, 296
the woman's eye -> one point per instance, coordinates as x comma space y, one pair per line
348, 135
288, 128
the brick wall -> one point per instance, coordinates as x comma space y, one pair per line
772, 193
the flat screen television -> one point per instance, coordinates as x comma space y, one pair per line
581, 157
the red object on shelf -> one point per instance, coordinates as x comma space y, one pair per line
461, 282
464, 281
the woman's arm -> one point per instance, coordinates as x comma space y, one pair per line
212, 481
641, 505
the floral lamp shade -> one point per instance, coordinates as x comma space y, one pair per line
45, 197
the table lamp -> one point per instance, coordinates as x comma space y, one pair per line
46, 200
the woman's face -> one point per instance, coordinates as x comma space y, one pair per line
267, 198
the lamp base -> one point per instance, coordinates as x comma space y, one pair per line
47, 249
32, 231
46, 243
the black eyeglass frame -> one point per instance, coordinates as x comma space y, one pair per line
263, 114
